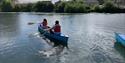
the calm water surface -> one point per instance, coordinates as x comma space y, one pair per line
91, 38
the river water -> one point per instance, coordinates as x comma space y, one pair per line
91, 38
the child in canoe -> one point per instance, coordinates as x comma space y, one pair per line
56, 29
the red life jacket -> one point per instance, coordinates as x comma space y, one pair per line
57, 28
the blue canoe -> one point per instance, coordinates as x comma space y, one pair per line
58, 39
120, 38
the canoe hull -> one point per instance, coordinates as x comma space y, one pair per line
58, 39
120, 39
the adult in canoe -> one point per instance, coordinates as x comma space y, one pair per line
44, 24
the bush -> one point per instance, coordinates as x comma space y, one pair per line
70, 7
97, 8
6, 6
59, 6
23, 7
26, 7
16, 8
75, 8
109, 7
43, 6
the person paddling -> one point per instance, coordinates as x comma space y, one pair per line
44, 24
56, 28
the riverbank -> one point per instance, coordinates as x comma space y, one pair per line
61, 7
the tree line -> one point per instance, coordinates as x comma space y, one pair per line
60, 7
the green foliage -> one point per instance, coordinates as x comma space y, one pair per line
16, 8
59, 6
23, 7
70, 7
97, 8
75, 8
109, 7
27, 7
6, 6
45, 6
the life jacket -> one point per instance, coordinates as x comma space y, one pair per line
57, 28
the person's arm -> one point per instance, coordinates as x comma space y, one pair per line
49, 28
53, 27
41, 24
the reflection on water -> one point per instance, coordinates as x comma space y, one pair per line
91, 38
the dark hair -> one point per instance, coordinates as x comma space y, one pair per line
57, 22
44, 20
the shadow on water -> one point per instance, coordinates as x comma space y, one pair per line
120, 48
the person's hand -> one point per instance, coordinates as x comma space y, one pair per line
48, 27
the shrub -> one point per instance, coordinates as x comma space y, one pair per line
98, 8
43, 6
75, 8
59, 6
16, 8
109, 7
6, 6
70, 7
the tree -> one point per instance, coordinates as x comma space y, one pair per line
110, 7
6, 6
43, 6
59, 6
75, 8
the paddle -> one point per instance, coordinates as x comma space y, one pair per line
30, 23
